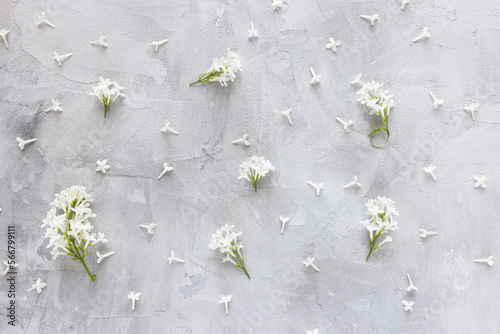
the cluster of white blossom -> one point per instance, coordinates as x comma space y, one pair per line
222, 70
382, 212
254, 169
107, 92
67, 225
227, 242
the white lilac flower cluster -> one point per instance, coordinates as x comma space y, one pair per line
107, 92
378, 101
227, 242
254, 169
382, 212
222, 70
68, 228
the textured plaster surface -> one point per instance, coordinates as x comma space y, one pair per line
459, 64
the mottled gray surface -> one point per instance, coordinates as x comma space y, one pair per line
459, 64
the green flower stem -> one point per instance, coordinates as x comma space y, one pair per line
386, 129
106, 108
74, 251
207, 77
254, 181
241, 264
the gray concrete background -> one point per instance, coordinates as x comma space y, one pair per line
459, 64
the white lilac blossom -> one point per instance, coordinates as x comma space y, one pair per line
313, 331
255, 169
480, 181
134, 296
316, 79
226, 299
286, 113
436, 102
243, 140
283, 220
9, 266
424, 35
23, 142
102, 41
472, 109
167, 128
357, 81
156, 44
173, 258
226, 241
354, 183
424, 233
333, 44
38, 285
488, 261
372, 19
309, 261
430, 170
252, 33
4, 33
166, 169
404, 3
347, 125
60, 58
56, 106
68, 227
222, 70
408, 306
378, 102
102, 166
382, 212
411, 286
107, 92
103, 256
317, 187
42, 19
277, 4
151, 228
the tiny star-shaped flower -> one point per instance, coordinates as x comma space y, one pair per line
408, 306
480, 181
225, 299
252, 33
133, 296
151, 228
472, 109
333, 44
314, 331
102, 166
56, 106
277, 4
38, 285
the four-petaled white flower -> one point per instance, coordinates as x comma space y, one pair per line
107, 92
226, 299
23, 142
133, 296
168, 128
286, 113
226, 241
102, 41
357, 80
382, 212
284, 220
480, 181
316, 79
101, 257
354, 183
41, 19
424, 233
166, 169
252, 33
318, 187
222, 70
372, 19
151, 228
102, 166
172, 258
56, 106
61, 58
243, 140
488, 261
347, 125
156, 44
4, 33
38, 285
310, 262
255, 169
472, 109
277, 4
424, 35
9, 266
408, 306
333, 44
437, 102
411, 286
430, 170
314, 331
